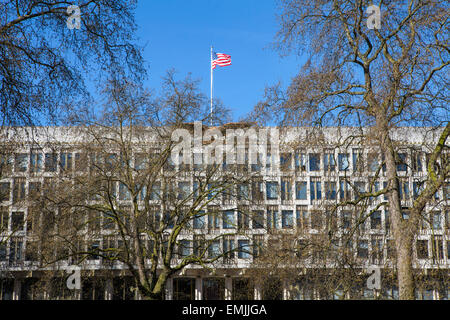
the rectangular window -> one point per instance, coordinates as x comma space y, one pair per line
272, 190
244, 249
343, 161
330, 190
344, 190
243, 219
401, 166
124, 193
360, 189
272, 217
417, 161
15, 250
329, 162
422, 249
34, 191
258, 245
316, 190
36, 162
257, 191
285, 161
228, 248
346, 219
228, 219
363, 249
373, 162
17, 221
4, 217
300, 161
287, 219
214, 249
243, 192
302, 217
375, 220
155, 193
199, 220
50, 162
65, 161
404, 190
447, 191
6, 162
436, 221
213, 219
184, 248
199, 244
19, 190
418, 187
300, 190
21, 162
438, 248
316, 220
5, 189
286, 189
2, 251
258, 219
387, 220
140, 161
80, 162
357, 157
183, 190
314, 162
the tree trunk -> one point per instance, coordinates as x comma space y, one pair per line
403, 238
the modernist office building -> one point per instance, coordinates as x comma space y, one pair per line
288, 197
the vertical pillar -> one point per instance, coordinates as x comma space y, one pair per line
258, 293
285, 291
228, 288
169, 289
16, 289
198, 288
109, 289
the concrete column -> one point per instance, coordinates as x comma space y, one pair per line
228, 288
258, 293
16, 290
109, 289
169, 289
285, 291
198, 288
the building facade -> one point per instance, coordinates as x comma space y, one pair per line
290, 192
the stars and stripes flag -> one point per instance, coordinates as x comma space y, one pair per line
220, 59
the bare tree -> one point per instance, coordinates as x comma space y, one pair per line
125, 200
381, 79
44, 64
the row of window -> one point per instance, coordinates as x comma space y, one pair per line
272, 218
329, 161
270, 190
185, 288
229, 248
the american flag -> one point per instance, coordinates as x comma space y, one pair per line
221, 60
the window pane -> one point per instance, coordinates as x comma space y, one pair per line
343, 161
244, 249
228, 219
314, 162
287, 219
300, 190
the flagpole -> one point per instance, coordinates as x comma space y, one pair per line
211, 85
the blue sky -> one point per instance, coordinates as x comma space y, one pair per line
178, 34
